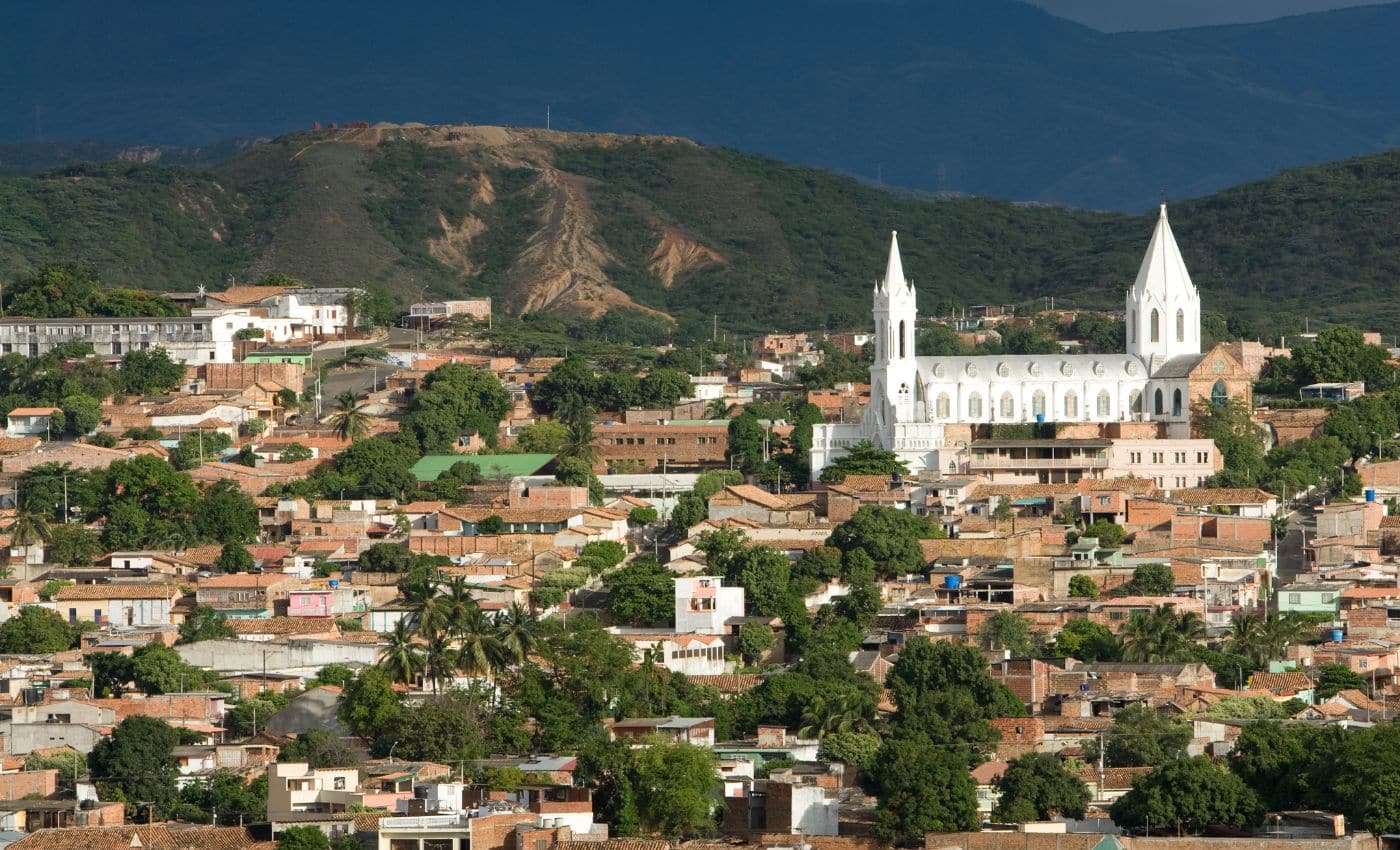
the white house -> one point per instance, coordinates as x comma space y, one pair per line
704, 604
30, 421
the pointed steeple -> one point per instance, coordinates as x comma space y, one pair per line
894, 271
1163, 271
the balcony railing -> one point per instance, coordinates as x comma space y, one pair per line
1000, 462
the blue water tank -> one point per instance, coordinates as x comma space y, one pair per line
335, 582
1370, 495
1040, 418
952, 582
1336, 635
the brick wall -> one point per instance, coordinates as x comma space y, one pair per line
236, 376
17, 786
676, 445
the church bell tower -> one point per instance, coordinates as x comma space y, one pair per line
895, 374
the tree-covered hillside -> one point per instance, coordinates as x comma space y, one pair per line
579, 224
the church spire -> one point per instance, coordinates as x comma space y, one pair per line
1163, 271
894, 271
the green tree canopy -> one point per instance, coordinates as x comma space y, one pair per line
135, 763
37, 631
1188, 795
1140, 736
1039, 784
889, 536
678, 783
920, 790
864, 458
1086, 640
641, 593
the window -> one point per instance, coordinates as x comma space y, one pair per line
974, 406
1071, 405
1132, 326
1157, 408
1179, 457
1156, 457
1176, 402
1102, 404
1135, 401
1218, 395
1103, 500
1295, 598
1362, 663
1180, 326
1038, 403
940, 407
1202, 457
1008, 406
1134, 457
1154, 326
339, 783
901, 338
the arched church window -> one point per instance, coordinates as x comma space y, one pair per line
1034, 368
1154, 326
971, 370
901, 339
1176, 402
1180, 326
1132, 326
974, 406
1038, 403
1218, 393
1008, 406
941, 406
1099, 370
1003, 370
1157, 406
1071, 405
1101, 405
939, 371
1130, 367
1067, 369
1135, 401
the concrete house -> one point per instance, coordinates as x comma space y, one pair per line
132, 605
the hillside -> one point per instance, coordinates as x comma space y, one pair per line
582, 223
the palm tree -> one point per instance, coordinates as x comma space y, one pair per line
441, 659
579, 440
1158, 636
454, 603
1247, 637
846, 713
516, 632
479, 651
402, 659
29, 529
717, 409
1279, 630
350, 420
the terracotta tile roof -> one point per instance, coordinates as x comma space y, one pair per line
1371, 593
247, 580
280, 626
733, 683
117, 591
1022, 491
1114, 778
155, 837
1292, 680
476, 513
616, 844
245, 294
868, 483
1137, 486
1358, 699
15, 445
34, 411
1221, 496
213, 837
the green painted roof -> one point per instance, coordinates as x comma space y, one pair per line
492, 466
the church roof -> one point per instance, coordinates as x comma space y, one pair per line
1179, 366
1163, 270
1024, 367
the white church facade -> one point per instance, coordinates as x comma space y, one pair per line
918, 403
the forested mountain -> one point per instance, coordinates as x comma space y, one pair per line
583, 223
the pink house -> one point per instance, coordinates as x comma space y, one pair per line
311, 603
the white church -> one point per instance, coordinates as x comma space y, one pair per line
915, 402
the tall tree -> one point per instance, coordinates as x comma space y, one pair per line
350, 421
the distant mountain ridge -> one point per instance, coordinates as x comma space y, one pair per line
993, 97
576, 223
